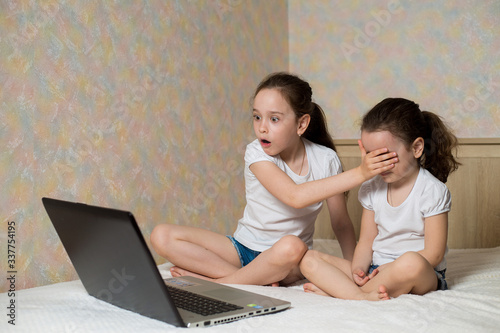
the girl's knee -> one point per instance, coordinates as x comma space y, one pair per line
413, 262
159, 235
291, 247
309, 262
412, 257
419, 272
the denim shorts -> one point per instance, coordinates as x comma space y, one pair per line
246, 255
442, 285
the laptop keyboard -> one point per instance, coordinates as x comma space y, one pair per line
202, 305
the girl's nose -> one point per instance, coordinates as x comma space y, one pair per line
263, 127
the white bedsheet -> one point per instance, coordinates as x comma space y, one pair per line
471, 305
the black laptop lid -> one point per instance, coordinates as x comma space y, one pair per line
111, 258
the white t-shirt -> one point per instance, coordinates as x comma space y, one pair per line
401, 229
266, 219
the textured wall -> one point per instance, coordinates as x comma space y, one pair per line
445, 55
138, 105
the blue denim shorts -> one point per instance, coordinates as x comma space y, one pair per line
442, 285
246, 255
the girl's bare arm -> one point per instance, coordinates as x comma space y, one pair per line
299, 196
436, 234
342, 225
363, 253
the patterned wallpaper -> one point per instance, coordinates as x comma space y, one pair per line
445, 55
137, 105
144, 105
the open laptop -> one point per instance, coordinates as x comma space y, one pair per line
114, 264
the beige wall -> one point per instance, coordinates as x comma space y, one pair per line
138, 105
445, 55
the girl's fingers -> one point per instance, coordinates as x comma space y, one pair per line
358, 272
361, 148
390, 161
372, 275
385, 159
381, 156
378, 152
384, 168
378, 155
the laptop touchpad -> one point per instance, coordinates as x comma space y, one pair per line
224, 293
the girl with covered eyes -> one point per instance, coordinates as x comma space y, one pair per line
290, 169
404, 225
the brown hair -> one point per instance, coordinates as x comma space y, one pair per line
403, 119
298, 94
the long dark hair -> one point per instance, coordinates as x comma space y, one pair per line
298, 94
403, 119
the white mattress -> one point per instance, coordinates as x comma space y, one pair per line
471, 305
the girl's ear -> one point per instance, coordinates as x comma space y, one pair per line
303, 123
418, 147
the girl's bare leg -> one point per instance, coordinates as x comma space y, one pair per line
312, 288
196, 250
277, 264
206, 254
331, 276
410, 273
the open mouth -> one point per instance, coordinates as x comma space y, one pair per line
265, 143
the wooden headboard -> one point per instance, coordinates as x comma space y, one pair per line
474, 220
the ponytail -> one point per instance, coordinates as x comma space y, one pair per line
317, 131
440, 144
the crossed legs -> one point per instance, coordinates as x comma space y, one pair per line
331, 276
212, 256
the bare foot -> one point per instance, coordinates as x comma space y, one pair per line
311, 288
383, 294
377, 295
179, 272
380, 294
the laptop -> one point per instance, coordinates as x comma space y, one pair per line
115, 265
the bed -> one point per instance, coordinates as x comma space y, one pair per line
471, 305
